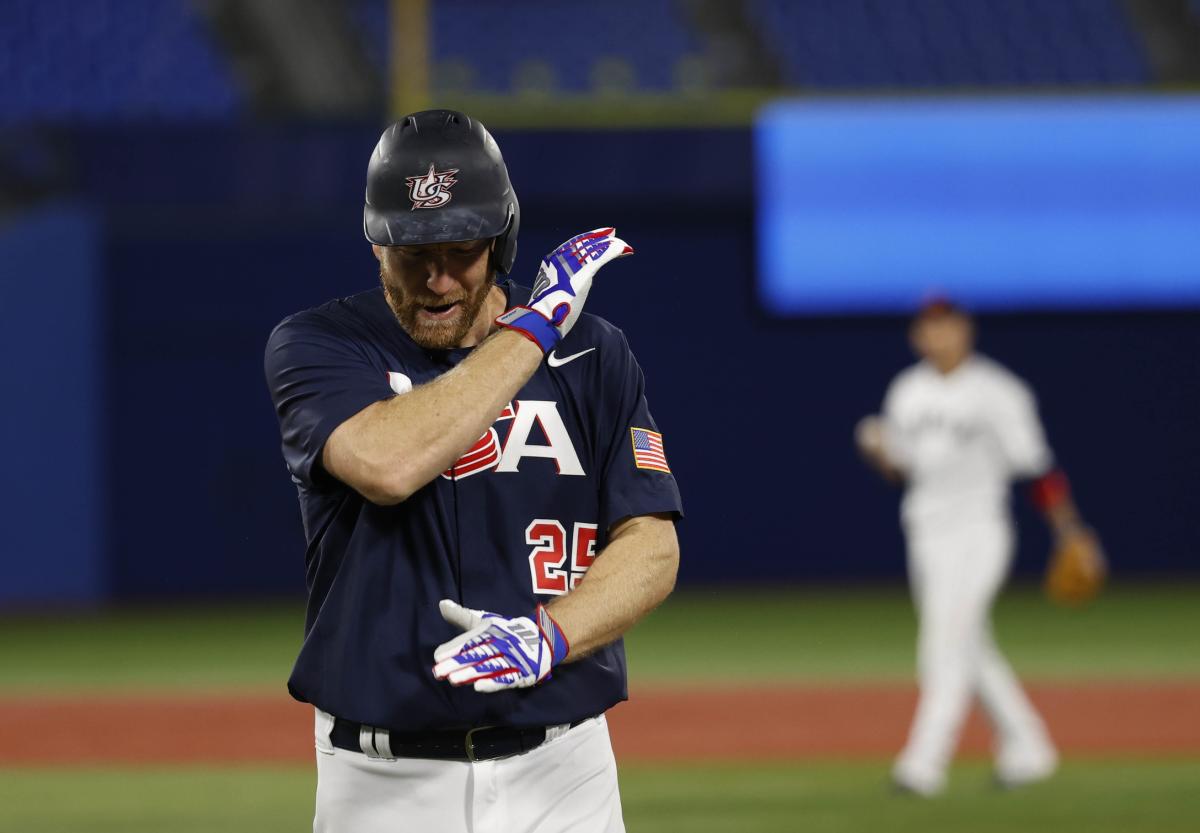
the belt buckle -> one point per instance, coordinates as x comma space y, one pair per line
469, 742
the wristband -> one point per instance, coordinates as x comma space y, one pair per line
1050, 490
554, 636
533, 325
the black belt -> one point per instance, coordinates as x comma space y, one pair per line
485, 744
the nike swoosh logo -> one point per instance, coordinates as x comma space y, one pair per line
555, 361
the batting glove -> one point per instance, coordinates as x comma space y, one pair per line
495, 653
562, 286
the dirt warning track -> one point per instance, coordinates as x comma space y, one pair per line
658, 724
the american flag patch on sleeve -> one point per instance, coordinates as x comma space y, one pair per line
648, 450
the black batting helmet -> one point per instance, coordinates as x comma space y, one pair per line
438, 177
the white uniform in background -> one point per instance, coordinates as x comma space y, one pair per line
960, 439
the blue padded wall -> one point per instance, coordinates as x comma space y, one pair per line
53, 495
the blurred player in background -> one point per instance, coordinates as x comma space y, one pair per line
487, 504
957, 429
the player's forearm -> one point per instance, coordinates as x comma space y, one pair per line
1051, 494
1063, 518
394, 447
631, 577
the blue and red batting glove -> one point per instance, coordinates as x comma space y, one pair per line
562, 286
497, 654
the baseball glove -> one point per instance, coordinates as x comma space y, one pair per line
1077, 569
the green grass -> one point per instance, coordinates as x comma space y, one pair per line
847, 635
828, 635
187, 647
1090, 797
818, 635
177, 800
1086, 797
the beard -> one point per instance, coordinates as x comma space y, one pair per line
442, 334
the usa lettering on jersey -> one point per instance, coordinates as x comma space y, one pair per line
487, 454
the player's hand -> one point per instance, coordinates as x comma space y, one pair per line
562, 286
868, 435
496, 654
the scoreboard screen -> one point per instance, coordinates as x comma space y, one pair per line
1032, 203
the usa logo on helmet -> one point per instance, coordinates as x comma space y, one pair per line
432, 189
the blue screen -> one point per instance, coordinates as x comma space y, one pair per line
871, 205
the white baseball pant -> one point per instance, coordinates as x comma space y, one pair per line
955, 573
569, 783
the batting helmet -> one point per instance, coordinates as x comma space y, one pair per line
438, 177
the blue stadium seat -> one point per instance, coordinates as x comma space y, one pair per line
951, 43
564, 43
109, 59
135, 59
568, 35
370, 18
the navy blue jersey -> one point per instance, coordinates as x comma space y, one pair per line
517, 520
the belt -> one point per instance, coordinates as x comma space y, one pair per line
484, 744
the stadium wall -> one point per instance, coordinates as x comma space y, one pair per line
757, 412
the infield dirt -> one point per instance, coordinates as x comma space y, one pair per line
657, 724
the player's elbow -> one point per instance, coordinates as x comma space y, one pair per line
388, 485
382, 480
382, 496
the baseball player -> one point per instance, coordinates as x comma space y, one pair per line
957, 428
487, 504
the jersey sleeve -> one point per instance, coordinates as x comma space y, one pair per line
636, 476
895, 442
1019, 430
318, 378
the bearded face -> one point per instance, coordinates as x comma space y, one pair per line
438, 291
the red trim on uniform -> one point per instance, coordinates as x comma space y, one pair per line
1050, 490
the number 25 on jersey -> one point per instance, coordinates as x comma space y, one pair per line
548, 566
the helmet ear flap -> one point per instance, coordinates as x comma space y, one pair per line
504, 251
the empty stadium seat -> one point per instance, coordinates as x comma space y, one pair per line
565, 46
950, 43
109, 59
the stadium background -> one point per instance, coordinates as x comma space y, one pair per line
175, 177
